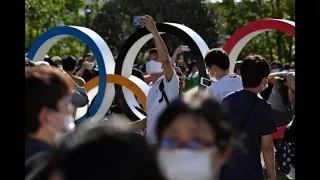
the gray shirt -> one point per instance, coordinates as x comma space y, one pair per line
275, 99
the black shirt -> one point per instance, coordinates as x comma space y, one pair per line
259, 121
88, 75
32, 147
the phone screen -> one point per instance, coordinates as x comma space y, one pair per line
137, 21
205, 82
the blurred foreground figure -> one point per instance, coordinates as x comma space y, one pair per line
48, 109
102, 152
194, 137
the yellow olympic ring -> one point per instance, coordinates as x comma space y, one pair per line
119, 80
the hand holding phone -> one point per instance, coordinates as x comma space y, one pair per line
205, 82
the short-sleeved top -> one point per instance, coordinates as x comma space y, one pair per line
260, 121
155, 108
225, 85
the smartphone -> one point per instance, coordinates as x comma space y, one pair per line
137, 21
185, 48
205, 82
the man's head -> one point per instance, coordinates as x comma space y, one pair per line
57, 60
48, 107
254, 72
69, 63
153, 66
237, 68
193, 66
217, 61
276, 66
182, 65
88, 57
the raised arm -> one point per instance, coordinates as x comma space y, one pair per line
175, 54
163, 54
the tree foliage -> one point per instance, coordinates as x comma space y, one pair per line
273, 45
112, 20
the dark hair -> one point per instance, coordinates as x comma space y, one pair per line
237, 66
97, 153
277, 63
44, 87
87, 55
253, 70
217, 57
51, 63
287, 66
205, 107
152, 50
69, 63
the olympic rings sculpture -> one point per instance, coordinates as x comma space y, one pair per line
119, 72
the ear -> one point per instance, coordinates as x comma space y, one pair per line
43, 116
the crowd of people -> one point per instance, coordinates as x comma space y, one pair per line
221, 132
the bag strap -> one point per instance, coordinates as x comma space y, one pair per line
164, 95
245, 117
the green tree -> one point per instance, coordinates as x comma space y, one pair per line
114, 21
40, 16
273, 45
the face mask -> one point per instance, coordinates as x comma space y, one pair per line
275, 70
69, 127
186, 164
153, 67
60, 66
90, 65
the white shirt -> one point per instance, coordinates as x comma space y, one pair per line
154, 108
225, 85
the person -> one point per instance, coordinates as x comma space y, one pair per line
165, 82
253, 117
68, 65
237, 68
218, 63
279, 98
57, 61
194, 138
182, 80
193, 77
88, 69
102, 151
275, 67
48, 109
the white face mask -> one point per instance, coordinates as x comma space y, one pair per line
69, 127
275, 70
153, 67
90, 65
60, 66
186, 164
